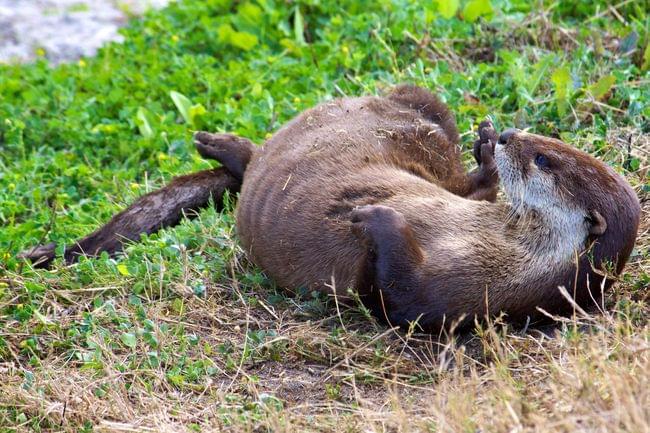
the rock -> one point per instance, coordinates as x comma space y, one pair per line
62, 30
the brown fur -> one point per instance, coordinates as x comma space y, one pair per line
370, 194
299, 190
417, 249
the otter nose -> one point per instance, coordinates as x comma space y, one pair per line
505, 135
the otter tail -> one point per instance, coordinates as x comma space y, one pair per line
165, 207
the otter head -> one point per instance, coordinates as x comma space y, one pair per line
585, 206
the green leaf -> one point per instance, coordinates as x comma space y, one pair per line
196, 111
129, 339
154, 360
250, 12
448, 8
477, 8
34, 288
183, 104
298, 27
175, 379
256, 91
601, 87
123, 270
151, 339
561, 79
143, 123
243, 40
224, 32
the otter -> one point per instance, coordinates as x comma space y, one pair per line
370, 194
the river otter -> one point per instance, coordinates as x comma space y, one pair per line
370, 193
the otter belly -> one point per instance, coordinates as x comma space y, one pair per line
294, 226
293, 220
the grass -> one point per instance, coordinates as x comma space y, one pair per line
183, 334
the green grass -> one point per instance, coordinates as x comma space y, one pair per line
183, 334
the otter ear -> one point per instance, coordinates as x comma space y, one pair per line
597, 223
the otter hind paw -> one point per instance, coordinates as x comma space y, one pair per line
372, 222
214, 145
41, 256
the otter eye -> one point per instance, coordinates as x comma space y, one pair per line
541, 161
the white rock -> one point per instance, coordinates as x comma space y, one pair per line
65, 29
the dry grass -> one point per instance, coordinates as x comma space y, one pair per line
315, 371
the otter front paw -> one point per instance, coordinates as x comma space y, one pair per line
486, 175
484, 146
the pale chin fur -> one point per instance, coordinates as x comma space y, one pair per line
563, 230
507, 175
